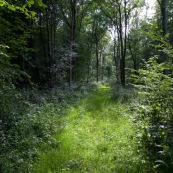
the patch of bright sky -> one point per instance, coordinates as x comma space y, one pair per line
148, 10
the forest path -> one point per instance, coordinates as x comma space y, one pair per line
98, 137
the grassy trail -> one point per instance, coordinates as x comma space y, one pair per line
97, 138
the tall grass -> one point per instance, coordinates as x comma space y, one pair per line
97, 136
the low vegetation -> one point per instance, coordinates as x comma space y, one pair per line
154, 114
104, 130
28, 120
97, 136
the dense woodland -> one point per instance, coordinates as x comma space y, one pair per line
54, 52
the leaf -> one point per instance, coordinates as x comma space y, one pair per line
40, 3
30, 3
162, 162
33, 13
2, 3
12, 8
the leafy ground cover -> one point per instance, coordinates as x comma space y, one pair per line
97, 135
28, 118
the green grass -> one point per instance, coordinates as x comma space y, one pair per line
98, 137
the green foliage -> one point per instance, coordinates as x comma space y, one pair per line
8, 75
24, 8
27, 121
16, 36
97, 137
4, 65
154, 111
121, 94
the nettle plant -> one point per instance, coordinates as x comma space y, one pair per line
155, 109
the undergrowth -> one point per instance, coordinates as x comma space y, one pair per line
28, 118
153, 112
98, 136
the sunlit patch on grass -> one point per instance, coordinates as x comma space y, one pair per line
98, 137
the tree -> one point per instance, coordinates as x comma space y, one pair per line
118, 13
163, 4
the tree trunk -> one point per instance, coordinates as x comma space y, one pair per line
122, 48
164, 17
162, 3
97, 61
72, 41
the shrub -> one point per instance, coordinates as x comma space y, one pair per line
122, 94
155, 111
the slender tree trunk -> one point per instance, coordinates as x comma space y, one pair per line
164, 16
49, 77
122, 59
43, 45
72, 41
133, 55
163, 3
97, 61
123, 41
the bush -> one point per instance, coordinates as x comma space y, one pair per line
122, 94
155, 111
